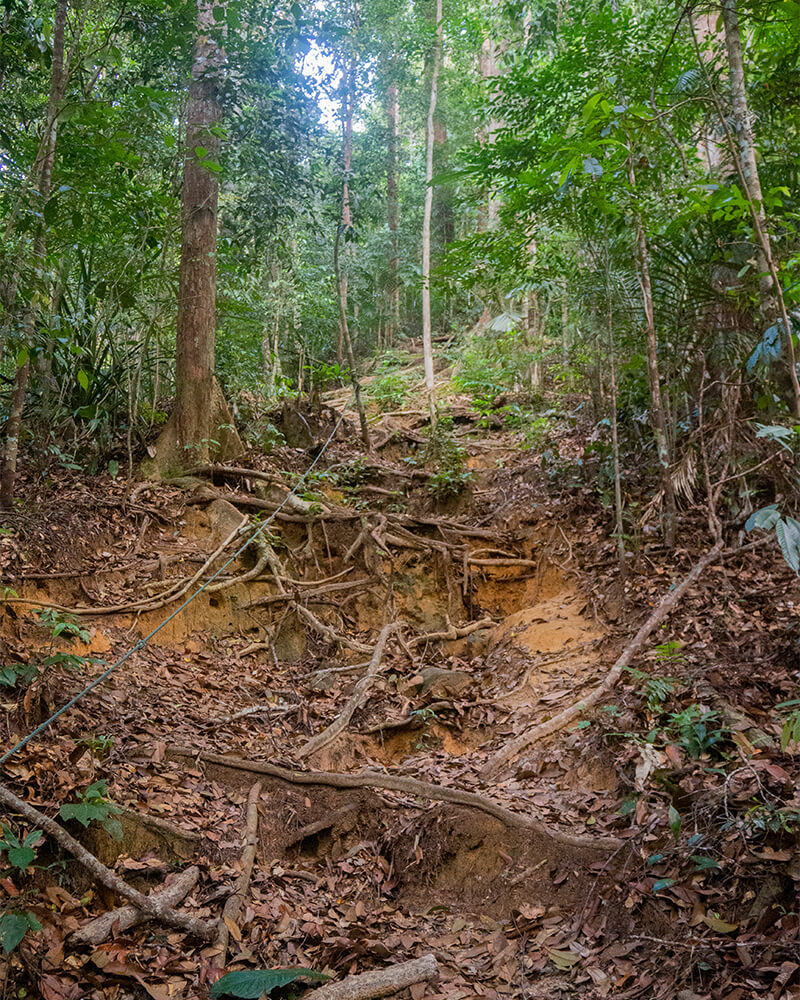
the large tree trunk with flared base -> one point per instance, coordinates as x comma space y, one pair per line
200, 427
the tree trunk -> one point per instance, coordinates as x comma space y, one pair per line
43, 168
392, 212
344, 345
657, 417
771, 298
199, 427
427, 345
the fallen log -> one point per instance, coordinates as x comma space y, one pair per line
379, 982
413, 786
125, 917
151, 906
596, 695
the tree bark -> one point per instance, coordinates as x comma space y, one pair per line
392, 211
199, 425
43, 169
379, 982
427, 344
771, 297
658, 418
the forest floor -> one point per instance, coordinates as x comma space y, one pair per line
647, 850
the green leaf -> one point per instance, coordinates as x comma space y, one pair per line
663, 883
21, 857
787, 532
200, 152
113, 468
251, 984
22, 356
83, 379
674, 818
14, 926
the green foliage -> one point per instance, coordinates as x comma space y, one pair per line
253, 983
491, 364
93, 805
657, 690
696, 731
790, 732
14, 925
787, 531
389, 391
65, 626
20, 854
444, 454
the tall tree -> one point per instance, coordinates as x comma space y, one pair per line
200, 425
43, 176
430, 138
392, 204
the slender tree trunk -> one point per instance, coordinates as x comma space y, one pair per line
344, 346
200, 423
43, 171
427, 345
771, 296
392, 212
658, 416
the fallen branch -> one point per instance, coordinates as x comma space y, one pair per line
356, 699
252, 710
328, 588
412, 786
321, 824
234, 904
151, 906
596, 695
380, 982
125, 917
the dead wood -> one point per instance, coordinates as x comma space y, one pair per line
151, 906
416, 719
321, 824
235, 471
557, 722
161, 825
379, 982
252, 710
413, 786
231, 913
356, 699
125, 917
501, 562
454, 632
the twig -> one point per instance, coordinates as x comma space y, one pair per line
413, 786
125, 917
234, 903
380, 982
355, 700
454, 632
151, 906
321, 824
662, 609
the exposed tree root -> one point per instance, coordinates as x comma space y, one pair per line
412, 786
557, 722
454, 632
125, 917
379, 982
355, 700
328, 588
234, 904
327, 632
153, 907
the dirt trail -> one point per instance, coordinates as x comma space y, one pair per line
379, 874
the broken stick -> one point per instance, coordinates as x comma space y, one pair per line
355, 700
558, 721
154, 907
380, 982
125, 917
235, 902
